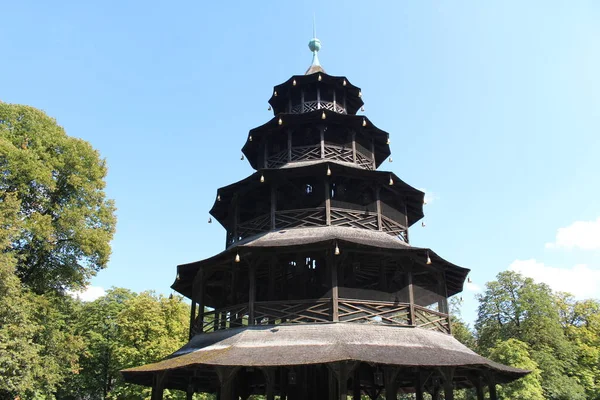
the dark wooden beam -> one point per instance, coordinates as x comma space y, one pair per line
251, 292
334, 287
411, 298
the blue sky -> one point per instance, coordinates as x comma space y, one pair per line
493, 109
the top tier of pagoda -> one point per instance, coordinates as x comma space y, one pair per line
314, 120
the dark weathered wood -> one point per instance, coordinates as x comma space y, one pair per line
158, 385
322, 133
354, 147
378, 201
327, 204
273, 206
289, 145
479, 388
334, 287
356, 385
373, 153
419, 386
390, 381
411, 298
251, 293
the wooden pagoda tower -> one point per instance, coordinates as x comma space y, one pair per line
319, 294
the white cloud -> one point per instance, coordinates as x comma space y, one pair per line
90, 293
429, 196
580, 234
580, 280
472, 287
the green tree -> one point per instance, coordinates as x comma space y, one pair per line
65, 222
516, 354
515, 307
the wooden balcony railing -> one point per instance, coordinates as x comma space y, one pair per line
307, 217
313, 152
320, 311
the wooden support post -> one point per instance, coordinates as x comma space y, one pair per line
479, 388
270, 383
289, 144
189, 393
492, 387
354, 147
411, 299
327, 203
378, 203
341, 371
251, 292
419, 387
197, 299
373, 153
334, 288
391, 384
236, 220
334, 101
448, 382
158, 385
406, 221
266, 154
322, 133
302, 100
356, 385
273, 206
318, 98
226, 379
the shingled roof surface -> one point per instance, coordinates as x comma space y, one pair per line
304, 344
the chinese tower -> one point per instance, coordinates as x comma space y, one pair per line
318, 293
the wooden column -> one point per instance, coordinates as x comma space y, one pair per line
302, 99
411, 299
318, 98
378, 203
327, 203
419, 387
406, 220
266, 154
270, 383
198, 298
273, 206
479, 388
251, 292
356, 385
189, 393
373, 153
334, 101
354, 147
236, 220
322, 133
492, 387
391, 385
334, 288
289, 144
158, 385
226, 379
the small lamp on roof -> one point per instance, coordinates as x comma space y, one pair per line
262, 178
250, 138
218, 197
364, 123
294, 82
242, 157
344, 83
320, 78
323, 115
336, 251
388, 139
275, 93
328, 171
359, 93
428, 259
270, 108
391, 182
237, 257
390, 159
280, 122
362, 108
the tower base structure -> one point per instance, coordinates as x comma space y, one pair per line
323, 361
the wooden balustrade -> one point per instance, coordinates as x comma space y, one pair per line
313, 152
308, 217
320, 311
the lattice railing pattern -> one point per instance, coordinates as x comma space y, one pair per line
320, 310
301, 311
392, 227
254, 226
353, 219
374, 312
313, 152
223, 318
433, 320
309, 106
300, 218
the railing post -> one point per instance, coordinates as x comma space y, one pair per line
354, 147
289, 144
273, 205
406, 221
252, 293
334, 288
322, 133
327, 203
411, 299
334, 101
378, 200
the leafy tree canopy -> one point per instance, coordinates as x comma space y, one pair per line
65, 223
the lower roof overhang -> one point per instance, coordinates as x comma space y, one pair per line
348, 239
309, 344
